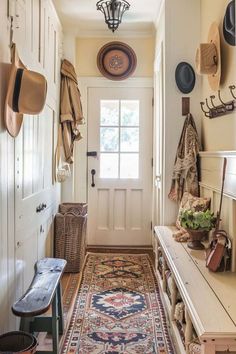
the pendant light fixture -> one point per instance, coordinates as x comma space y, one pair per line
113, 11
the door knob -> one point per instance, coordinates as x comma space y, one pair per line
93, 172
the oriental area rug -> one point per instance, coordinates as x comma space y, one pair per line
118, 308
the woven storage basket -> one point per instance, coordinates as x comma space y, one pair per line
76, 208
70, 235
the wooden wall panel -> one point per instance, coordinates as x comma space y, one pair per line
211, 177
26, 162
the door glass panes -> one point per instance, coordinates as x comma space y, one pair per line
119, 138
129, 165
130, 113
109, 165
109, 113
129, 139
109, 139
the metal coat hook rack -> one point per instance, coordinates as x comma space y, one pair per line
211, 109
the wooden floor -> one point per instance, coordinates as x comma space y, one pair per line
70, 286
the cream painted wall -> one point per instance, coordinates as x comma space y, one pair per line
219, 133
88, 48
179, 31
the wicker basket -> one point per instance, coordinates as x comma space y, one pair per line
70, 235
76, 208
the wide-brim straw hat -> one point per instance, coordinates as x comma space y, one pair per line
208, 57
26, 94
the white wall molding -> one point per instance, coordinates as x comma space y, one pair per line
159, 13
90, 81
147, 32
217, 190
217, 154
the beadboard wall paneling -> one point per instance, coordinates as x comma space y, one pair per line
26, 162
211, 178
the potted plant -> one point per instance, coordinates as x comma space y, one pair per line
197, 224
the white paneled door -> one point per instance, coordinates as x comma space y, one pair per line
119, 166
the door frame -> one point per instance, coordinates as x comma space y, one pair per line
158, 138
79, 185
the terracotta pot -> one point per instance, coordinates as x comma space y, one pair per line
18, 342
196, 236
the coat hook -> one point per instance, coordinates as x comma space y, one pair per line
219, 96
212, 98
232, 88
208, 105
205, 112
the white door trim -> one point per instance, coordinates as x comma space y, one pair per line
79, 183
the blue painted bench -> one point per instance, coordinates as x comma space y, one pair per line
44, 291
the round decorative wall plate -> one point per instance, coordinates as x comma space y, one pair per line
116, 61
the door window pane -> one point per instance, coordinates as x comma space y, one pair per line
130, 113
109, 165
129, 165
129, 139
109, 139
109, 114
119, 139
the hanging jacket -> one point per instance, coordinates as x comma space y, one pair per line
71, 113
185, 173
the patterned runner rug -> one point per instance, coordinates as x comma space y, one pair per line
118, 309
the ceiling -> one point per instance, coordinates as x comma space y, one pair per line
81, 16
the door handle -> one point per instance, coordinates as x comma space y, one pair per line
92, 153
93, 172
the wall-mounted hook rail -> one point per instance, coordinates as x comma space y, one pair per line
232, 88
223, 108
207, 113
212, 101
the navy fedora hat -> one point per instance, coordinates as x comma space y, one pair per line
185, 77
229, 24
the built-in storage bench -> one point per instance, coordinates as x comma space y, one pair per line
207, 300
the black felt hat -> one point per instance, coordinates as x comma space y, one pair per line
185, 77
229, 24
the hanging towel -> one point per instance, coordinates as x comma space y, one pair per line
71, 113
185, 174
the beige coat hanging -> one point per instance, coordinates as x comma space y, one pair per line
71, 114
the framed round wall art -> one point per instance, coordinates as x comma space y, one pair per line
116, 61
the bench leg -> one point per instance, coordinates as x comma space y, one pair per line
25, 324
55, 325
60, 309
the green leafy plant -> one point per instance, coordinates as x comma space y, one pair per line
195, 220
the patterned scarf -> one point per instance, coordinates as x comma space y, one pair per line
185, 174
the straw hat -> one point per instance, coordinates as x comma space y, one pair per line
26, 94
208, 57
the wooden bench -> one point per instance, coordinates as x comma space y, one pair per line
209, 298
44, 290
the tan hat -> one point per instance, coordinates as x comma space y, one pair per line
26, 94
208, 57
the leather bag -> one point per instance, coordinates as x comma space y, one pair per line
219, 253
